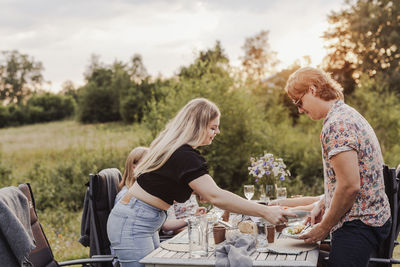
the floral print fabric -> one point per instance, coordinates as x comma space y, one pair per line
345, 129
183, 210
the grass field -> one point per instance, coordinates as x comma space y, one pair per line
53, 143
50, 142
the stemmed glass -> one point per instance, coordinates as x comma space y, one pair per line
249, 191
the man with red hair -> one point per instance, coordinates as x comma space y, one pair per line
355, 210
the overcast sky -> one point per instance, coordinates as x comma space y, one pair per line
167, 33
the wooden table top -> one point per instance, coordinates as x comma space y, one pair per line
162, 257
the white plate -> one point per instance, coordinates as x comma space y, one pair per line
285, 232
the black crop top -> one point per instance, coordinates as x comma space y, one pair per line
170, 182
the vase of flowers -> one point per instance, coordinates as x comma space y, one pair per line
267, 170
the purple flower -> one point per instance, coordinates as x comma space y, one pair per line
256, 180
267, 172
282, 178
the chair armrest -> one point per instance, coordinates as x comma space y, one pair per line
103, 256
83, 262
383, 260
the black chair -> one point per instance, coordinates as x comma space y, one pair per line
384, 256
99, 200
42, 255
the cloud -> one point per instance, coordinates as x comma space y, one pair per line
168, 34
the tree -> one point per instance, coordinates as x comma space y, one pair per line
365, 38
68, 89
94, 64
97, 101
119, 91
137, 70
19, 76
212, 61
258, 58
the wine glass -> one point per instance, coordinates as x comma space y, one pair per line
249, 191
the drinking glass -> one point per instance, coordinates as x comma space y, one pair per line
219, 212
281, 192
198, 236
248, 191
269, 191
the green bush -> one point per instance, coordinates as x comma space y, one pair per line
5, 176
17, 115
64, 184
39, 108
4, 116
381, 107
49, 107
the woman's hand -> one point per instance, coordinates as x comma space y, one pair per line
200, 198
277, 215
200, 211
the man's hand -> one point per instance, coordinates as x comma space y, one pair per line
316, 213
317, 233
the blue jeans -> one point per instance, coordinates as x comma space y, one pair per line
353, 243
133, 231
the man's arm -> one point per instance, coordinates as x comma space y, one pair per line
345, 165
346, 168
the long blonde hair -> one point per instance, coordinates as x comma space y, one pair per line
134, 157
189, 126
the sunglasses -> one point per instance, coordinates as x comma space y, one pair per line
299, 102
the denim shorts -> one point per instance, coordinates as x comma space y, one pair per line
133, 230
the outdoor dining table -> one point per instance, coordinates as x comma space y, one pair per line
167, 258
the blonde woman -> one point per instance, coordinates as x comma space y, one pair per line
171, 170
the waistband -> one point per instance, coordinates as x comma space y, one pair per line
134, 201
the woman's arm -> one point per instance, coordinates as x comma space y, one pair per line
294, 202
208, 189
173, 224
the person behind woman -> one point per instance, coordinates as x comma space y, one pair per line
171, 170
178, 214
297, 203
130, 164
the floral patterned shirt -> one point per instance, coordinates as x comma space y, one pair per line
345, 129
